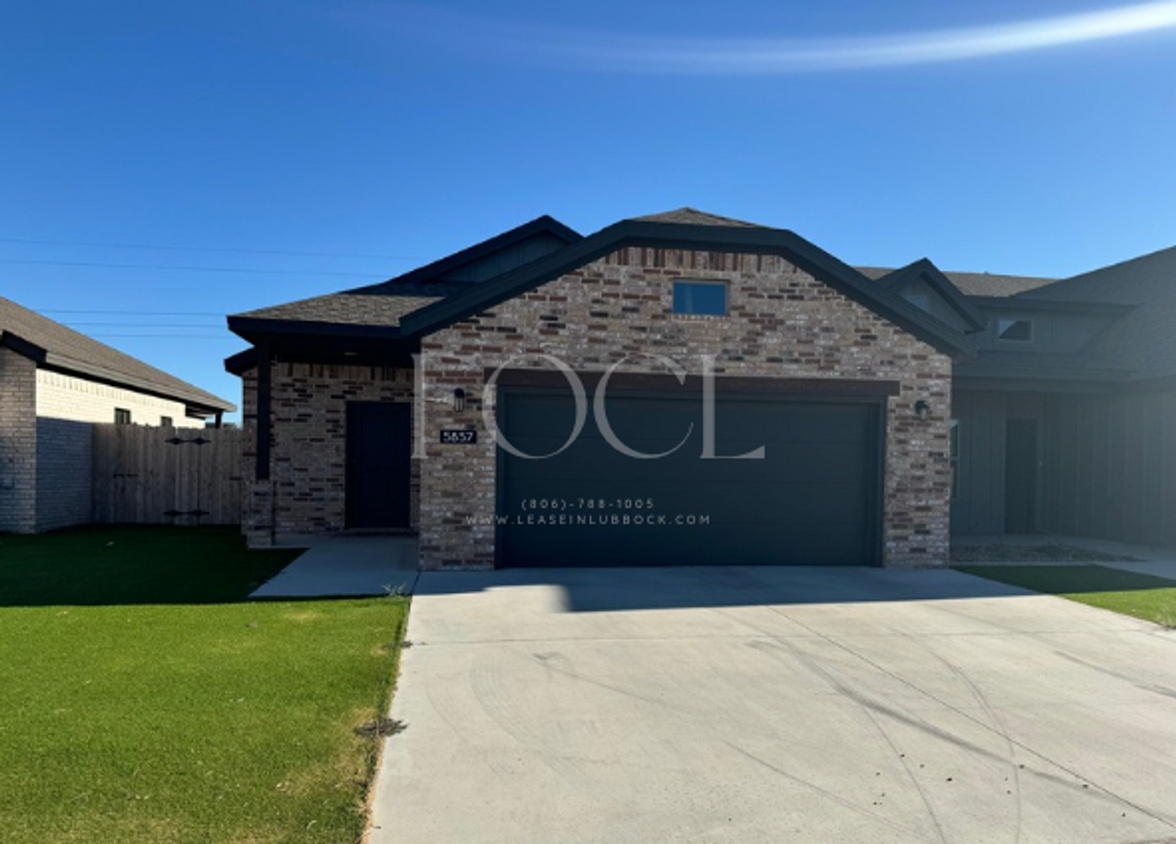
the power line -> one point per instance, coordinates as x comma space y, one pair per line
229, 249
225, 337
104, 265
146, 324
117, 312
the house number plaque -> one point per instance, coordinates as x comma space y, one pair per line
459, 437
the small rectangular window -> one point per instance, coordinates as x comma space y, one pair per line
954, 457
166, 422
121, 416
1014, 330
703, 298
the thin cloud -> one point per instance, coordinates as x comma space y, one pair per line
618, 52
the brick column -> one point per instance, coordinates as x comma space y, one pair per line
18, 443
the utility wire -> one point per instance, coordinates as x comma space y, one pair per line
104, 265
146, 324
207, 249
174, 336
116, 312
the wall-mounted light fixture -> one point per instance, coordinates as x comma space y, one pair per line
458, 400
922, 409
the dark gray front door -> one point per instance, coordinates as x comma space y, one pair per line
379, 460
1020, 475
813, 500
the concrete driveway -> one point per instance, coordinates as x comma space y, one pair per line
774, 705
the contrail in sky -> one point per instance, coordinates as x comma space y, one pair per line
627, 52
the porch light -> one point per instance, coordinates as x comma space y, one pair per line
458, 400
922, 409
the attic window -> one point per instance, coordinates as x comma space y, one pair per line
1014, 330
920, 300
700, 298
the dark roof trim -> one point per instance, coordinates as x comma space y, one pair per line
923, 269
1033, 385
22, 347
1020, 302
540, 225
805, 255
693, 384
1030, 371
253, 327
241, 362
93, 372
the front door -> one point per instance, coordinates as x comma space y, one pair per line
379, 461
1020, 476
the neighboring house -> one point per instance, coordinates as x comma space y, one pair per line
54, 382
892, 406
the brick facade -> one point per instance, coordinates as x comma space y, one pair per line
65, 473
782, 323
306, 490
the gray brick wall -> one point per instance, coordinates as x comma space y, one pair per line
782, 323
18, 443
64, 473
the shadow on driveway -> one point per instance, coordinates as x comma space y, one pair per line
603, 590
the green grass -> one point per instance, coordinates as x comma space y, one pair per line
142, 699
1140, 595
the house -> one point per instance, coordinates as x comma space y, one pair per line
54, 383
685, 388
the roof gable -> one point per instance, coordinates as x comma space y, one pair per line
1142, 340
925, 271
482, 261
672, 235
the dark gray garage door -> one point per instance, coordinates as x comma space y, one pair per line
812, 500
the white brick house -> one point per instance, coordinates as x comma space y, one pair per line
56, 382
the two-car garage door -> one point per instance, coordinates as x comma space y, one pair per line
811, 498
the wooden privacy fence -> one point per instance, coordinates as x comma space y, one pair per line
165, 476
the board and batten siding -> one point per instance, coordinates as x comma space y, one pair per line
1106, 463
1110, 467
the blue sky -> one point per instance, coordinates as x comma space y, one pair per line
295, 148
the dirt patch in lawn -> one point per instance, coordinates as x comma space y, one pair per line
1044, 553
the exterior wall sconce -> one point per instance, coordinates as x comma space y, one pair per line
459, 397
922, 409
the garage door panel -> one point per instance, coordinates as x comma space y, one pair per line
834, 464
811, 500
547, 546
730, 502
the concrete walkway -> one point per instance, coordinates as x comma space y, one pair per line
347, 565
774, 705
1153, 560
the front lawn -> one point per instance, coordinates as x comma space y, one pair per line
143, 699
1141, 595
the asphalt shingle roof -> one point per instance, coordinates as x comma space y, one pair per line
688, 216
347, 309
977, 284
73, 351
